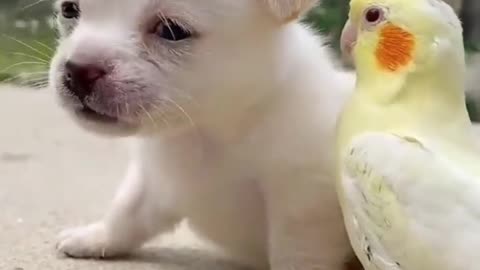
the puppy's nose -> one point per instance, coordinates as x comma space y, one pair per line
80, 79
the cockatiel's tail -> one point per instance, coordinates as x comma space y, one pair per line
408, 160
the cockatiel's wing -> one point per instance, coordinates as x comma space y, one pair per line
396, 196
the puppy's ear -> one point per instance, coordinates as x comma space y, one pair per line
289, 10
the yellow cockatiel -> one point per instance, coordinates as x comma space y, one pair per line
408, 163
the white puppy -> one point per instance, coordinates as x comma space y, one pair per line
232, 104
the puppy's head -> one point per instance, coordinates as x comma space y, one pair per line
123, 66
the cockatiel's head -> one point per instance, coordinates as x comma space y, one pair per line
401, 36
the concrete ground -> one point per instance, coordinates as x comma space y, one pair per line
54, 175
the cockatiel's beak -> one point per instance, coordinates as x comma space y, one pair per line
348, 40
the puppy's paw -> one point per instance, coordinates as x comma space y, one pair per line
86, 242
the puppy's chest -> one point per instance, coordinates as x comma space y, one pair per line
209, 173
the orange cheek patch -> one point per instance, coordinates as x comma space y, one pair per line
395, 48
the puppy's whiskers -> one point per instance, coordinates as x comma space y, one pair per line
185, 97
149, 116
33, 4
182, 110
146, 48
37, 83
41, 44
162, 114
35, 79
21, 64
127, 108
34, 60
43, 54
118, 111
45, 61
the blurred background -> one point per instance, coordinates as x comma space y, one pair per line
27, 39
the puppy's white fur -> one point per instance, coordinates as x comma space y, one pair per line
233, 128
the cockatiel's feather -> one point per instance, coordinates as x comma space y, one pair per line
405, 200
408, 160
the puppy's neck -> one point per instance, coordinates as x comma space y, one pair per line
283, 65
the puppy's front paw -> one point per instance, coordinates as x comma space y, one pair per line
86, 242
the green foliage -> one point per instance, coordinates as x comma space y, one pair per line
329, 19
471, 47
473, 110
5, 76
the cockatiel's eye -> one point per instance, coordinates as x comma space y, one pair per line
374, 15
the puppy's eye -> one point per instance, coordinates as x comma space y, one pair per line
172, 31
70, 10
374, 15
